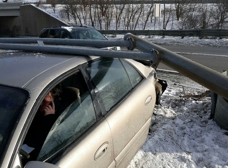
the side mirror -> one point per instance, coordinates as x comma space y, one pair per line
37, 164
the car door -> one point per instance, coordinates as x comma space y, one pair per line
128, 100
78, 138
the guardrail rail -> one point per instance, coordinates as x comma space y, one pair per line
182, 33
148, 51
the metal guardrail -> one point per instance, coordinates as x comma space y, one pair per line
203, 75
197, 33
71, 46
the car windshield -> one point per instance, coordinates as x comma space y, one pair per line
87, 34
12, 101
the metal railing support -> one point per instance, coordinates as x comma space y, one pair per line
183, 33
203, 75
75, 50
73, 42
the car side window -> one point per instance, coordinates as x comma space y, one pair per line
134, 75
64, 34
71, 115
54, 33
73, 121
96, 35
111, 80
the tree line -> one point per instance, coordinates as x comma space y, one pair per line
107, 15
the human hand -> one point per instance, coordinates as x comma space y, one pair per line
50, 109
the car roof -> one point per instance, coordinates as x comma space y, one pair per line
21, 68
77, 28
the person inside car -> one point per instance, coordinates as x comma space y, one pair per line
40, 127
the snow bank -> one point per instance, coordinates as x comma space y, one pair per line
181, 134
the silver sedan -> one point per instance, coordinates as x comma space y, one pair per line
65, 111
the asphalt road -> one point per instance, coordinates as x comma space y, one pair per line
212, 57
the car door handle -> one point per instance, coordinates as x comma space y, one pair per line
148, 100
101, 150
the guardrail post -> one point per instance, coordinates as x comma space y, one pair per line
181, 34
200, 34
220, 37
219, 109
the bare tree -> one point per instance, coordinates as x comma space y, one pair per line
205, 17
102, 11
221, 13
130, 15
178, 8
167, 12
118, 13
53, 4
141, 7
126, 16
74, 12
148, 15
189, 15
65, 12
135, 12
107, 12
38, 3
109, 16
98, 16
84, 10
91, 14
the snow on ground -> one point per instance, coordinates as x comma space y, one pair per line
181, 134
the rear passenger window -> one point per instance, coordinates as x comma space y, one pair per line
111, 80
134, 75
